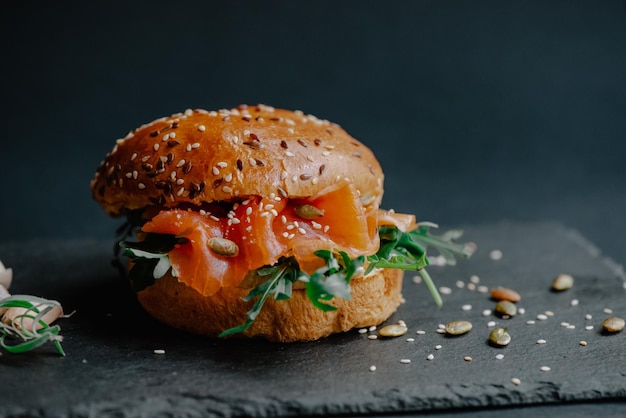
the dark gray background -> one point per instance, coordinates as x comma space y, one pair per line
479, 111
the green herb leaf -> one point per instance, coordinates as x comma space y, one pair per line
279, 284
150, 258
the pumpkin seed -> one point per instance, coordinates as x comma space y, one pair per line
309, 212
613, 324
499, 336
562, 282
506, 308
458, 327
502, 293
393, 330
223, 246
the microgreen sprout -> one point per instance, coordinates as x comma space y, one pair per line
28, 329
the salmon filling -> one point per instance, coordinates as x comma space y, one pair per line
219, 252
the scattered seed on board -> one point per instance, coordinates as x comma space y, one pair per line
372, 337
458, 327
562, 282
499, 356
545, 369
541, 341
502, 293
420, 332
405, 360
372, 368
499, 336
393, 330
495, 255
583, 343
516, 381
430, 357
467, 358
613, 324
158, 351
506, 308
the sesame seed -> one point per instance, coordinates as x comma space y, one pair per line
444, 290
545, 369
516, 381
495, 255
466, 307
289, 154
589, 327
491, 324
195, 145
158, 351
227, 189
228, 177
141, 186
530, 322
430, 357
132, 157
180, 182
541, 341
146, 158
574, 302
583, 343
588, 317
188, 147
135, 174
607, 311
214, 170
248, 211
467, 358
405, 361
486, 312
372, 368
166, 138
180, 191
372, 328
410, 340
252, 162
438, 347
549, 313
363, 331
325, 153
202, 128
372, 337
291, 236
542, 317
156, 147
499, 356
475, 279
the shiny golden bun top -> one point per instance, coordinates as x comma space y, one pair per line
205, 156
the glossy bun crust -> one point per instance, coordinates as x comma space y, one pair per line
374, 299
205, 156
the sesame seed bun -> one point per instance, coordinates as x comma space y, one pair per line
209, 156
199, 158
374, 299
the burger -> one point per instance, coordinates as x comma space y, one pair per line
260, 222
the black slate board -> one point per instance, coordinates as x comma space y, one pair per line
111, 368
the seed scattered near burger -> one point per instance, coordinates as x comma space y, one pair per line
499, 337
506, 309
458, 327
503, 293
613, 324
562, 282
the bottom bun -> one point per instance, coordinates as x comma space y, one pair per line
374, 299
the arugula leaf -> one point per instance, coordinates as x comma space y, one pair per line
150, 258
279, 283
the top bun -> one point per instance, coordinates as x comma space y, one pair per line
205, 156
